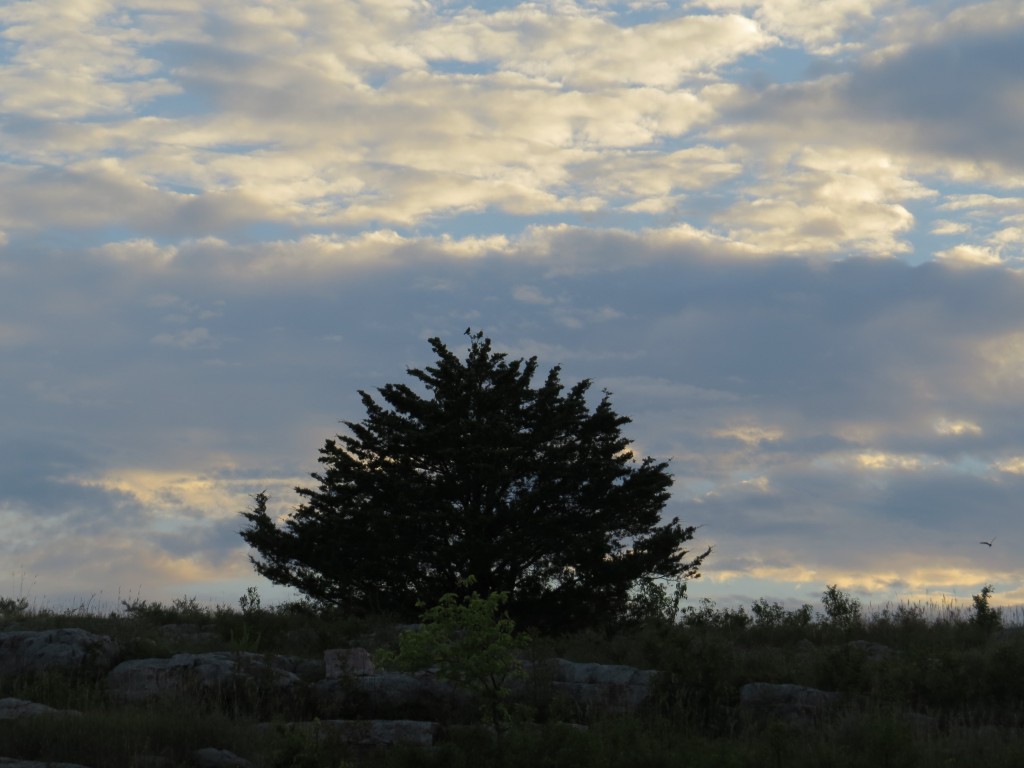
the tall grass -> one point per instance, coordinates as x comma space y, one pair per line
933, 683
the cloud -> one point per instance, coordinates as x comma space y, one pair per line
222, 220
81, 62
820, 25
919, 96
580, 49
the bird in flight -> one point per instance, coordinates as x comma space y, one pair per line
988, 543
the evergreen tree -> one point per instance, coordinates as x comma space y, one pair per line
526, 490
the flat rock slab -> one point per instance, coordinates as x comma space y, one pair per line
344, 662
594, 688
387, 695
566, 671
186, 673
55, 650
15, 709
210, 757
371, 733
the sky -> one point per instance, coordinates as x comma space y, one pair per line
787, 236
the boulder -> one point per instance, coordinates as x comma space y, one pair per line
343, 662
785, 699
601, 688
210, 757
15, 709
372, 733
203, 673
55, 650
387, 695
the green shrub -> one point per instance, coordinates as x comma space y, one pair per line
841, 610
471, 643
985, 616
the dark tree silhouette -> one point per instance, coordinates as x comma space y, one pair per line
526, 489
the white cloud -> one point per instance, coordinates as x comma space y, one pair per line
580, 49
76, 61
140, 251
189, 338
750, 435
956, 427
970, 255
945, 227
828, 200
818, 24
982, 203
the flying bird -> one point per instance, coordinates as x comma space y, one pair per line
988, 543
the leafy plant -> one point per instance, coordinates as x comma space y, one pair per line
250, 602
470, 642
842, 610
985, 616
13, 607
767, 614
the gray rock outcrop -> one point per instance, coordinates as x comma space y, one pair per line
342, 662
373, 733
387, 695
606, 688
15, 709
210, 757
55, 650
141, 680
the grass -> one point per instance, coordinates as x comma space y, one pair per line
923, 685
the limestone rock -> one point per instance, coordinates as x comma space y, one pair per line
196, 673
606, 688
15, 709
387, 695
341, 662
55, 650
374, 733
219, 758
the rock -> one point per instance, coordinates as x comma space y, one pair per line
191, 673
219, 758
15, 709
604, 688
785, 699
153, 761
342, 662
55, 650
8, 762
601, 674
393, 695
310, 670
372, 733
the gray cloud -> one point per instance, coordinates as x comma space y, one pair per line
247, 214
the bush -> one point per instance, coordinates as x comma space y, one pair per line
471, 643
843, 611
985, 616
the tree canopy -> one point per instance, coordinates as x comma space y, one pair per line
525, 489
